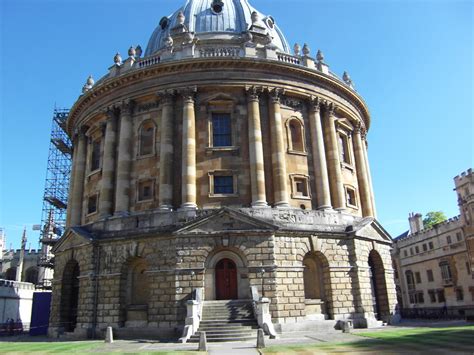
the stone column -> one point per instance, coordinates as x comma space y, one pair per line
124, 159
323, 196
79, 170
188, 170
106, 197
369, 175
333, 159
362, 178
257, 171
165, 199
280, 176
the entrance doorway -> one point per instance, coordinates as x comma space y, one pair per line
70, 296
226, 280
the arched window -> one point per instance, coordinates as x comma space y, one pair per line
146, 138
138, 283
295, 135
313, 278
134, 292
11, 274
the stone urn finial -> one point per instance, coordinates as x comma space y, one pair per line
347, 79
132, 52
306, 50
320, 56
255, 18
181, 18
138, 51
297, 49
88, 85
118, 59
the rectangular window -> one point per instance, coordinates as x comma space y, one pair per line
221, 130
411, 251
344, 148
418, 277
92, 204
95, 155
351, 197
405, 253
432, 294
417, 250
223, 185
459, 294
458, 236
420, 297
145, 190
300, 187
446, 272
429, 275
468, 268
430, 244
425, 247
448, 239
441, 298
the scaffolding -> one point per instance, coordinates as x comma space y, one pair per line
53, 218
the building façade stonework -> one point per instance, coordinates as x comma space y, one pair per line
219, 161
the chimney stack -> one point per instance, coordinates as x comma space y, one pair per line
416, 222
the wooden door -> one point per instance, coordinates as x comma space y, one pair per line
226, 280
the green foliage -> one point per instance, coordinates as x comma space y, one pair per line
432, 218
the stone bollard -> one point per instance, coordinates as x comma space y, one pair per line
202, 342
260, 339
346, 326
109, 335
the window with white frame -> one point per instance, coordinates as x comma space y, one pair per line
222, 183
221, 130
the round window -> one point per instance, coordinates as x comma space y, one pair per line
270, 22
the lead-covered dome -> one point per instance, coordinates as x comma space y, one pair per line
222, 19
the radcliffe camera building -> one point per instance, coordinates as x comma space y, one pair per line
213, 169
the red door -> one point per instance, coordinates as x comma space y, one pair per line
226, 280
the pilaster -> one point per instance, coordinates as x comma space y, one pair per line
362, 178
79, 169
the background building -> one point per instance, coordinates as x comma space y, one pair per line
434, 266
219, 168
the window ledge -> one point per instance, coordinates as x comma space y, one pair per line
92, 173
145, 201
348, 205
299, 197
297, 152
223, 195
229, 149
347, 166
146, 156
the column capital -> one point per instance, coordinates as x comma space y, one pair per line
80, 132
166, 97
253, 92
360, 129
188, 94
330, 108
315, 103
127, 107
275, 94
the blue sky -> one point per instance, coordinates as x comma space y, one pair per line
411, 60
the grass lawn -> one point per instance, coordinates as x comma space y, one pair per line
420, 340
77, 347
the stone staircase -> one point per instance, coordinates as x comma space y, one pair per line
230, 320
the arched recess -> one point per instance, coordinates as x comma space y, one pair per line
295, 134
10, 274
224, 258
378, 286
69, 295
31, 275
317, 285
146, 138
134, 293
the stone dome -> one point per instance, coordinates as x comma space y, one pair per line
215, 19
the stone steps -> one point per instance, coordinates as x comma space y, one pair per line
224, 321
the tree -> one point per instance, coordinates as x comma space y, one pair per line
432, 218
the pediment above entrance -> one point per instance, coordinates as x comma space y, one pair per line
73, 238
226, 221
369, 227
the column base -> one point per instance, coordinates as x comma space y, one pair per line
165, 208
325, 207
282, 204
260, 204
121, 214
188, 207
